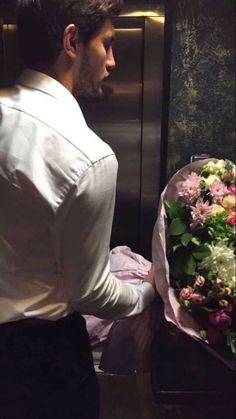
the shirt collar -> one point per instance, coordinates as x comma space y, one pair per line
46, 84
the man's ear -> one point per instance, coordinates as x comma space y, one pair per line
71, 40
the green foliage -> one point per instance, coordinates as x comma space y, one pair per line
177, 265
190, 265
231, 340
186, 238
218, 229
186, 247
174, 209
201, 252
177, 227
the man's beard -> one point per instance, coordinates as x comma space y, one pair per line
86, 85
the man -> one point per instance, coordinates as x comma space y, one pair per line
57, 182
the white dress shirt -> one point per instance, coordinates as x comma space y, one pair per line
57, 184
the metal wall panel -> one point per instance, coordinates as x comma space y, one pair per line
117, 119
151, 133
129, 119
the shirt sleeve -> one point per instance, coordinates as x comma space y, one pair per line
90, 286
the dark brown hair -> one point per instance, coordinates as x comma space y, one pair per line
41, 24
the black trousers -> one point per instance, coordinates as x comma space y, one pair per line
47, 371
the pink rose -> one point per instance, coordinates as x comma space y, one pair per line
220, 319
231, 219
199, 281
198, 299
228, 176
186, 293
218, 283
227, 291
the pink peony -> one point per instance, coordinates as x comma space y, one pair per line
220, 319
232, 189
190, 189
186, 293
218, 191
199, 213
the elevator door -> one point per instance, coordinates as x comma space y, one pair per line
117, 120
128, 118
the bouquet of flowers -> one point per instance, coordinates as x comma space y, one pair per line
194, 251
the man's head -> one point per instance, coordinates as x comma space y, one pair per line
51, 31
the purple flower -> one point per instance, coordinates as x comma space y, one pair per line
190, 189
199, 213
232, 189
220, 319
218, 190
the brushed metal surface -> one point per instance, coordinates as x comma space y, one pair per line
129, 119
117, 119
151, 132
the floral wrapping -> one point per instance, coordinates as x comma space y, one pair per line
185, 186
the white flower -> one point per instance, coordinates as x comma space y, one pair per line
210, 167
215, 168
220, 165
221, 261
210, 180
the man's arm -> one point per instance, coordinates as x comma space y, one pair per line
90, 286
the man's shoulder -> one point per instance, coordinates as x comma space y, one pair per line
63, 123
47, 143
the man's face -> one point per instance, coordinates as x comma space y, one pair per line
96, 63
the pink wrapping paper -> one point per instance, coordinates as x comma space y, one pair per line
173, 312
127, 266
172, 309
125, 342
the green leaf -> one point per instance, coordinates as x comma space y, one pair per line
190, 266
176, 264
196, 240
186, 239
173, 209
209, 310
177, 227
231, 340
201, 252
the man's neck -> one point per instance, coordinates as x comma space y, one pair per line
59, 72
